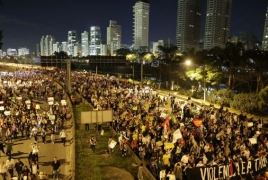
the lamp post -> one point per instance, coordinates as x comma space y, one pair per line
188, 62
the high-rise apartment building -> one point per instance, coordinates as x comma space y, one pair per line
113, 37
95, 40
155, 49
265, 33
72, 39
56, 47
22, 51
217, 26
64, 46
46, 45
188, 24
12, 52
85, 44
141, 23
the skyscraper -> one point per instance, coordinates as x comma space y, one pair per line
113, 37
72, 39
95, 40
22, 51
141, 23
265, 33
217, 26
188, 24
85, 43
46, 45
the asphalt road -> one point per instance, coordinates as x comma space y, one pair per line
21, 147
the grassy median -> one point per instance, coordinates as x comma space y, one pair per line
91, 166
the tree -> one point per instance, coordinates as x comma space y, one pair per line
257, 61
123, 52
233, 55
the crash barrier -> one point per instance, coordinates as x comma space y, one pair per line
70, 150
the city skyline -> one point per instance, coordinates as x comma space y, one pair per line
25, 25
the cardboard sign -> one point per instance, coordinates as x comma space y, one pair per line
112, 144
159, 143
28, 102
253, 140
50, 103
2, 108
51, 117
1, 102
63, 102
37, 106
169, 145
7, 113
50, 99
19, 98
250, 124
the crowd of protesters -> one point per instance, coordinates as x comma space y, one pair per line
147, 121
23, 117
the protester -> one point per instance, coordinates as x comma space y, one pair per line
55, 168
93, 143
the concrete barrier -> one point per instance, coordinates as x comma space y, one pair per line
70, 150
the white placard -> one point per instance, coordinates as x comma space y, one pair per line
2, 108
1, 102
50, 99
28, 102
250, 124
19, 98
50, 103
112, 144
7, 113
51, 117
37, 106
253, 140
63, 102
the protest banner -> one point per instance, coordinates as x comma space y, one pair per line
225, 171
112, 144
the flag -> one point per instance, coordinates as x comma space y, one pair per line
197, 122
176, 135
166, 122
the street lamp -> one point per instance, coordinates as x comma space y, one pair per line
188, 63
145, 57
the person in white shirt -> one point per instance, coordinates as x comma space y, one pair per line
34, 170
162, 174
63, 136
10, 164
171, 175
3, 170
185, 159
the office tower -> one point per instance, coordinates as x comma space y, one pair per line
95, 40
141, 24
265, 33
64, 46
23, 51
113, 37
46, 45
103, 49
72, 39
12, 52
56, 47
1, 52
188, 24
248, 39
85, 44
217, 26
77, 49
155, 49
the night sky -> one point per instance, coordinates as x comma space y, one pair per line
24, 21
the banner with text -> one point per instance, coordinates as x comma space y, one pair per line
232, 170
